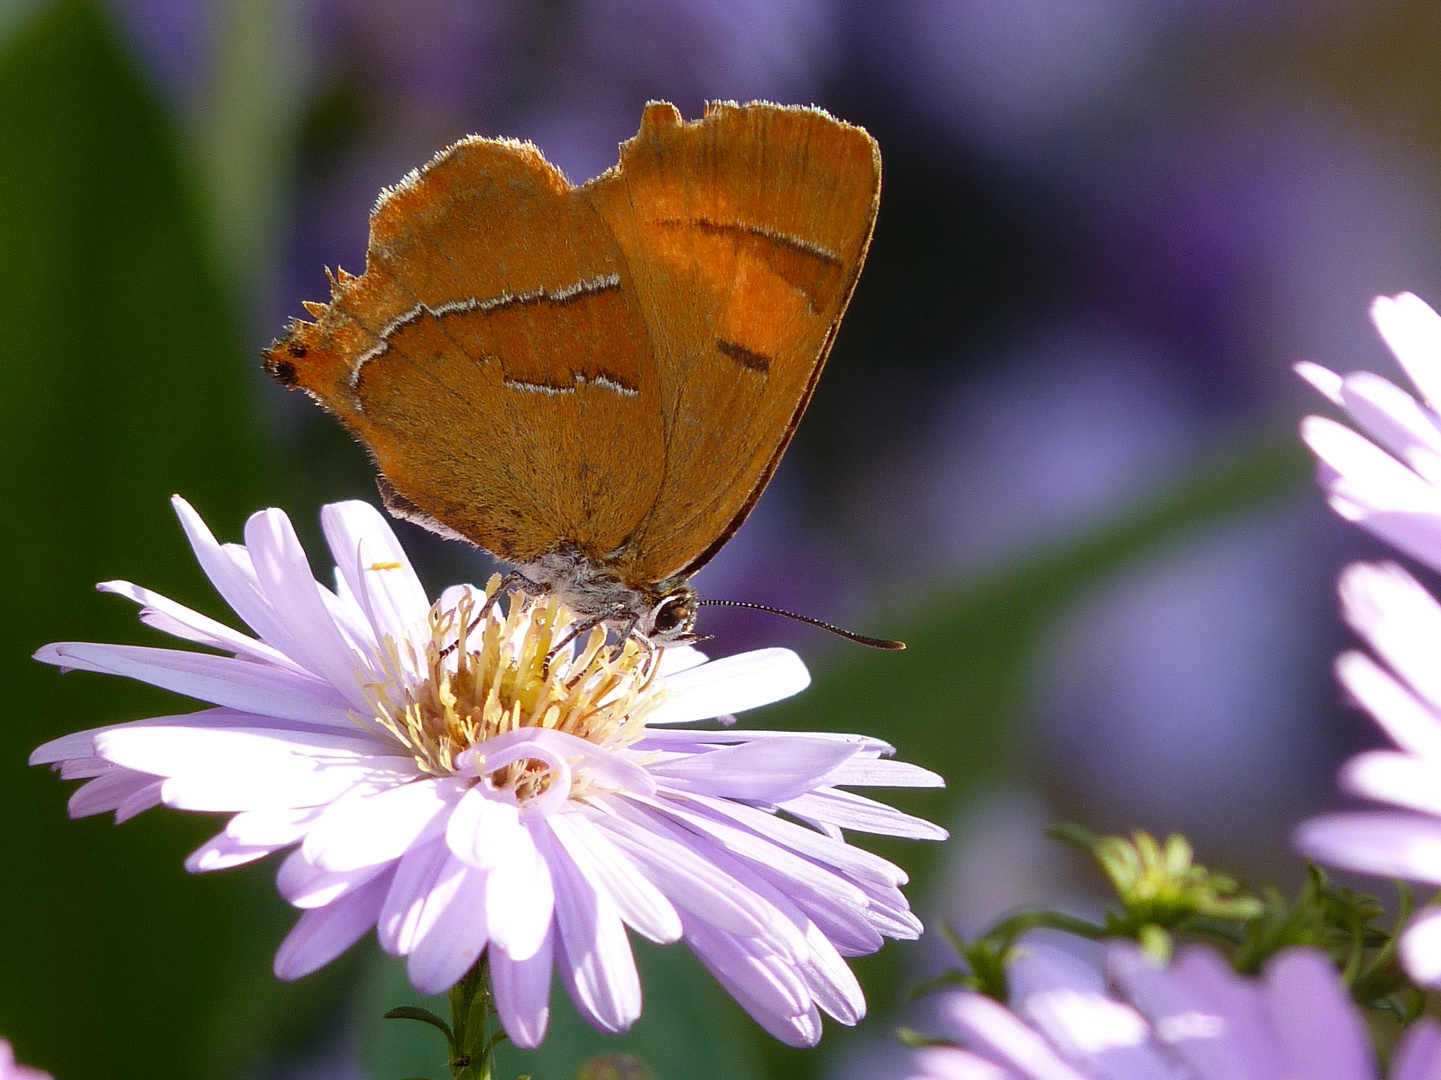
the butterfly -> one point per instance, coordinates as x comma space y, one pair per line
596, 383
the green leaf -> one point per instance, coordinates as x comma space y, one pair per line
125, 379
425, 1016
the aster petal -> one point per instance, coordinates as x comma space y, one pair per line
865, 770
322, 934
1390, 776
1418, 1057
847, 810
231, 572
375, 566
143, 799
731, 685
1415, 532
81, 744
610, 769
853, 935
407, 912
275, 828
109, 792
1323, 379
1410, 722
765, 983
222, 851
946, 1063
841, 856
457, 936
1212, 1017
1065, 998
1376, 842
1369, 487
770, 771
305, 885
240, 769
1421, 947
642, 906
485, 829
1412, 331
888, 912
522, 992
832, 984
698, 739
802, 874
285, 576
1320, 1032
996, 1033
677, 658
1394, 420
1366, 476
521, 901
1400, 620
597, 965
368, 829
687, 878
177, 620
803, 913
221, 680
85, 768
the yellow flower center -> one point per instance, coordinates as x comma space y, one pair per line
482, 675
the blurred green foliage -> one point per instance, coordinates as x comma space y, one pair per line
125, 380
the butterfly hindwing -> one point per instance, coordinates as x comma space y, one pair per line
745, 232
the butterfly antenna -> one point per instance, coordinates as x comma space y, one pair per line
860, 639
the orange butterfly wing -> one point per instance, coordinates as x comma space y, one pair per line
744, 233
615, 368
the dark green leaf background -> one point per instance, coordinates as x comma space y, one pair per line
125, 379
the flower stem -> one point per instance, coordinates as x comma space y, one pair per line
471, 1008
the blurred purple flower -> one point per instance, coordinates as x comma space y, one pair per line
9, 1070
1391, 487
173, 38
427, 54
1007, 76
1195, 1019
1402, 624
613, 55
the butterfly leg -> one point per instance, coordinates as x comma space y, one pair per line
585, 626
514, 577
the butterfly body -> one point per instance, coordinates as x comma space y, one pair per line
596, 383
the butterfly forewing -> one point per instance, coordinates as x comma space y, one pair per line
493, 333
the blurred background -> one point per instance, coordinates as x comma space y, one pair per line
1054, 448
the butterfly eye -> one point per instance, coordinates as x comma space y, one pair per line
672, 613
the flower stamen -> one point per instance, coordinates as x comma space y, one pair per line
478, 677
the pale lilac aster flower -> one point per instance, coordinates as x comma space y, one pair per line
9, 1070
1392, 487
439, 781
1195, 1019
1390, 484
1401, 689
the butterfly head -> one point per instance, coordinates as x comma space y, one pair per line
670, 619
